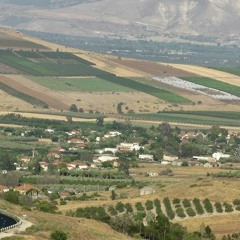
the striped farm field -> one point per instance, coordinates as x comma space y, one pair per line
190, 117
232, 70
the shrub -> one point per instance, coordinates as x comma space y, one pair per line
58, 235
139, 206
120, 207
112, 211
128, 208
186, 203
190, 212
236, 202
228, 207
157, 204
149, 205
218, 207
168, 207
73, 108
176, 201
180, 213
208, 205
198, 206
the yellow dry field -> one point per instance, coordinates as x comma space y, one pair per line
211, 73
10, 103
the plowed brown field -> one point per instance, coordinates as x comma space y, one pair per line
154, 68
14, 83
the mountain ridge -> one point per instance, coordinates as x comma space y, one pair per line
135, 19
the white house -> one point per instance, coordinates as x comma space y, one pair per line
219, 155
145, 157
112, 134
129, 147
104, 158
77, 165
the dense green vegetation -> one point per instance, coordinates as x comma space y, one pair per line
232, 70
215, 84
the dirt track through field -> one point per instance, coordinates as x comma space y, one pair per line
211, 73
26, 86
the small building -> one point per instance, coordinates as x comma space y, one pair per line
147, 157
146, 191
25, 188
44, 166
219, 155
4, 189
77, 166
112, 134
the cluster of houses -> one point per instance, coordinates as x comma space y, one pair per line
109, 154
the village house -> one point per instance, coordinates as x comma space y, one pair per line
104, 158
44, 166
24, 188
25, 159
58, 149
169, 158
112, 134
79, 142
147, 157
219, 155
73, 133
129, 147
77, 166
53, 155
4, 189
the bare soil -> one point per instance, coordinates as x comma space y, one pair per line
155, 69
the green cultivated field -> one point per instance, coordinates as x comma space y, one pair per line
59, 64
232, 70
192, 117
80, 84
211, 83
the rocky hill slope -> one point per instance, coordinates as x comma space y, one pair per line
132, 19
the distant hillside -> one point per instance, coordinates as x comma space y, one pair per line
131, 19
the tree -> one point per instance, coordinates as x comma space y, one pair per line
123, 165
73, 108
81, 110
37, 168
165, 129
113, 195
58, 235
100, 121
119, 108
